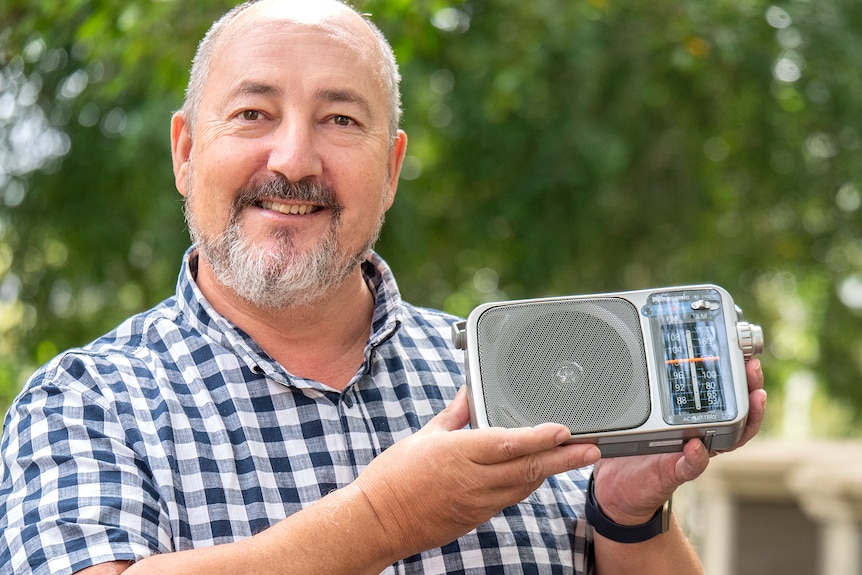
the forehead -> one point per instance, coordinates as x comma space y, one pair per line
296, 38
297, 21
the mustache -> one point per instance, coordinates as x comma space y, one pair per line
277, 187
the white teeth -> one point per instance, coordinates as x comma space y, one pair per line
292, 209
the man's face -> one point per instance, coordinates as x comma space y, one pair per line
291, 164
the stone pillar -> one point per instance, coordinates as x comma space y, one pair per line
830, 491
790, 507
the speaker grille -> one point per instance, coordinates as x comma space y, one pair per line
577, 362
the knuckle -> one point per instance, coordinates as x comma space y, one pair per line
533, 470
508, 449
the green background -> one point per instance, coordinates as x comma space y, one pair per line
556, 147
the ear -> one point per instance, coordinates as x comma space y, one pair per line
396, 160
181, 149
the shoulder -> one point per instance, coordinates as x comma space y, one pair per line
434, 327
424, 316
102, 369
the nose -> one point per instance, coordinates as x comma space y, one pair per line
294, 151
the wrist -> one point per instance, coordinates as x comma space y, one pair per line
642, 530
341, 531
372, 526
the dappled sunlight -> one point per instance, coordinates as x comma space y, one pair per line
554, 148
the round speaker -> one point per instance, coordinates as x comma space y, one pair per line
577, 362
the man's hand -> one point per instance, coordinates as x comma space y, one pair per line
630, 489
423, 492
432, 487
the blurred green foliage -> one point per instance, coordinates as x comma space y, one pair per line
556, 147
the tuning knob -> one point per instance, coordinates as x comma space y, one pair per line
750, 339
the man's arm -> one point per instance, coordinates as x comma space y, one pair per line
630, 490
667, 553
432, 487
423, 492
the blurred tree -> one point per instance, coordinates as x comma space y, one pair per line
555, 147
89, 225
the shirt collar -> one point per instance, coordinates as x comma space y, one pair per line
198, 311
388, 308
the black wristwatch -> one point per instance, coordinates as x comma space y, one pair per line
607, 527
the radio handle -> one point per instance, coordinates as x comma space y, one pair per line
750, 336
459, 334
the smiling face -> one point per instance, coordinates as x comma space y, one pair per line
290, 162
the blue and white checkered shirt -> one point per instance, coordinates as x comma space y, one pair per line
176, 431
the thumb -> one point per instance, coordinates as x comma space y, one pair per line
455, 416
693, 461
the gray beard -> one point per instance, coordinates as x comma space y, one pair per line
283, 277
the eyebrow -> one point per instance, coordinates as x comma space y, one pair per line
258, 89
344, 96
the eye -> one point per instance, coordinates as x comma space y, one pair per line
250, 115
340, 120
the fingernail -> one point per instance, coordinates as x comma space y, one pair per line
592, 455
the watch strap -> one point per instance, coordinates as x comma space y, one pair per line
610, 529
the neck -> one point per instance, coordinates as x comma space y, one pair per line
322, 341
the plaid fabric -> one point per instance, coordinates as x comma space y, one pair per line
176, 431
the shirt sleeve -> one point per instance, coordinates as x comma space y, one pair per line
73, 492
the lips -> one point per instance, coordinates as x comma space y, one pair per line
289, 209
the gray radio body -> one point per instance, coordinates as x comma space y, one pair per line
633, 372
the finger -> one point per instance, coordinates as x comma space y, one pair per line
754, 373
522, 475
567, 457
756, 412
454, 416
693, 462
500, 445
497, 444
756, 401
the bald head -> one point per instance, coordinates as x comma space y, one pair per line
300, 11
334, 17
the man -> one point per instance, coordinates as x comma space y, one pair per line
286, 412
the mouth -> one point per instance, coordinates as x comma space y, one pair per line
289, 209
